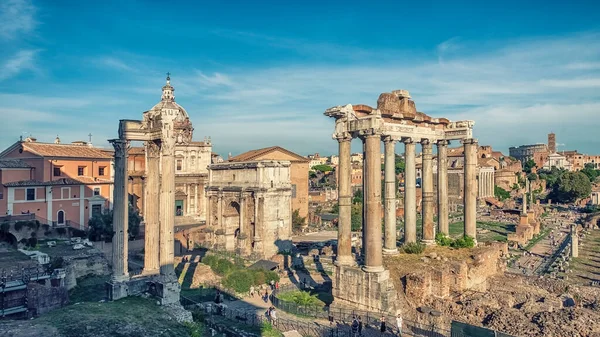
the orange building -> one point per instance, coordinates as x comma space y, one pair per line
62, 184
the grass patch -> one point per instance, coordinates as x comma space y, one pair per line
131, 316
537, 238
299, 297
89, 289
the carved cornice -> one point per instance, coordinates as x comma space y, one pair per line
362, 134
443, 142
469, 141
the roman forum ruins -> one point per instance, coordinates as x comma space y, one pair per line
162, 128
394, 120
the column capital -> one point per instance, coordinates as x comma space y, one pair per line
343, 137
152, 148
469, 141
408, 140
425, 141
121, 146
362, 134
389, 139
443, 142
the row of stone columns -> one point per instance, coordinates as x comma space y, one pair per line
486, 184
159, 213
372, 233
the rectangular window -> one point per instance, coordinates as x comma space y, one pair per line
57, 171
31, 194
293, 190
1, 194
80, 170
179, 164
96, 210
101, 170
96, 190
65, 192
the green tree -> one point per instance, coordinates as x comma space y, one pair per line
101, 225
529, 164
335, 209
399, 164
532, 176
297, 221
322, 168
590, 172
356, 217
551, 176
572, 186
358, 197
501, 193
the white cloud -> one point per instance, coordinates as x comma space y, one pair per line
22, 60
114, 63
16, 18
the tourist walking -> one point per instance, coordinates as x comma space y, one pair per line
266, 296
382, 327
360, 326
354, 326
273, 314
399, 324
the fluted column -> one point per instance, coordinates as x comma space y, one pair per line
220, 210
389, 246
120, 272
258, 226
167, 206
410, 192
373, 250
344, 246
195, 199
442, 186
470, 199
427, 185
242, 205
151, 214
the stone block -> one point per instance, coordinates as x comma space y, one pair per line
418, 286
459, 274
353, 287
440, 282
117, 290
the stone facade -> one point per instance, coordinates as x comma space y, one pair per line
525, 152
250, 207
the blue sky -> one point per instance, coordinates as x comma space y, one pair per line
259, 73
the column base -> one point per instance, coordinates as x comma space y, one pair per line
345, 261
116, 290
373, 269
119, 278
428, 242
148, 272
387, 251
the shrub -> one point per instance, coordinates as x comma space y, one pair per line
19, 225
464, 242
258, 277
78, 233
239, 280
33, 224
271, 276
32, 242
210, 261
443, 240
223, 267
61, 231
23, 241
5, 227
299, 297
46, 227
413, 248
48, 233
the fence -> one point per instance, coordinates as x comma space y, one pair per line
371, 320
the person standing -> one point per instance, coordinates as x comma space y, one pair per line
273, 314
399, 324
382, 327
360, 326
354, 326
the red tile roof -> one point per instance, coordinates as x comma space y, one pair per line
65, 150
61, 181
254, 154
13, 163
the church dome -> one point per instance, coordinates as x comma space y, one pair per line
167, 103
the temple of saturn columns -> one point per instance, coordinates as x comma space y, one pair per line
162, 128
394, 120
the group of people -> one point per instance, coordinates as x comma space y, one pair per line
271, 314
357, 325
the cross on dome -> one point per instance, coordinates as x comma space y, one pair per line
168, 90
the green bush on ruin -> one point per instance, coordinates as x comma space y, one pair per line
413, 248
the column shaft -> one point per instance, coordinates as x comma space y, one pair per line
344, 246
120, 213
167, 207
442, 183
410, 192
195, 199
390, 197
242, 205
470, 199
373, 253
151, 215
427, 188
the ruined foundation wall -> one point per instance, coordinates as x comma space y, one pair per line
357, 289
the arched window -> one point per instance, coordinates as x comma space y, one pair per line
60, 217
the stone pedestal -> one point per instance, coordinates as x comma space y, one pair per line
117, 290
168, 290
354, 288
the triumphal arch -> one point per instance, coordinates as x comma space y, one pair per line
394, 120
163, 127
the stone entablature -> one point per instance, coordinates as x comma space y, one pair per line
250, 207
